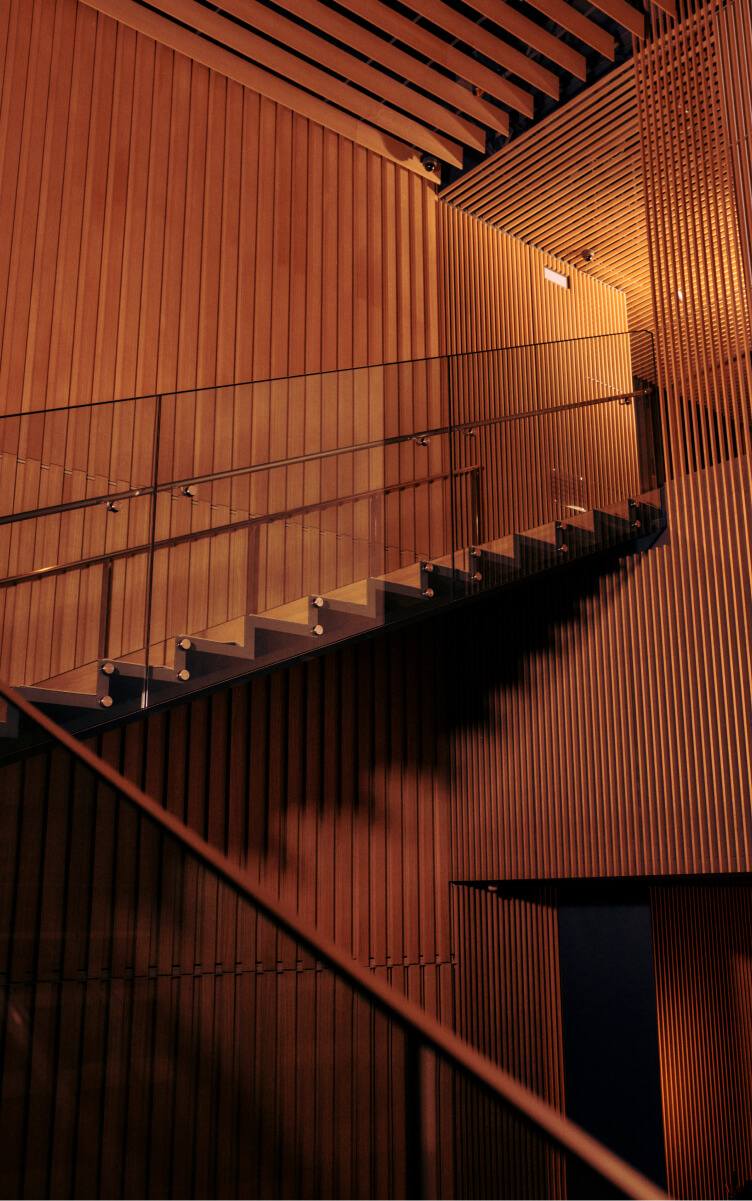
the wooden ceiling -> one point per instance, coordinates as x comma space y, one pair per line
573, 187
421, 80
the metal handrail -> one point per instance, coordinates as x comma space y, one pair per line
278, 379
428, 1032
314, 456
226, 527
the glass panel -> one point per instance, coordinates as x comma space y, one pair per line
67, 455
292, 513
74, 601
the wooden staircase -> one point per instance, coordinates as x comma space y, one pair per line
224, 654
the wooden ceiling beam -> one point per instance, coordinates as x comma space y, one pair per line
224, 62
668, 6
361, 74
535, 37
401, 63
289, 66
581, 26
491, 47
438, 51
624, 15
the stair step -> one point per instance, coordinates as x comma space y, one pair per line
233, 648
534, 552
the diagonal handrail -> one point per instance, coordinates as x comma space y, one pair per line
425, 1031
229, 473
454, 356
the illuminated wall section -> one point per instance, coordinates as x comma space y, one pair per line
164, 227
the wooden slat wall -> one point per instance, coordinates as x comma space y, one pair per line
497, 297
508, 1007
702, 940
328, 780
165, 228
602, 722
142, 1003
574, 183
496, 294
605, 723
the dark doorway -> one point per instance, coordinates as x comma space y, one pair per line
610, 1029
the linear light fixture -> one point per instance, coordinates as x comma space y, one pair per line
556, 277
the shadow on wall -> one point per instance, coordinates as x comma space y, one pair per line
494, 650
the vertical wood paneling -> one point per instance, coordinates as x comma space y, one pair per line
168, 229
159, 1036
692, 169
609, 734
508, 1007
603, 728
333, 777
572, 183
123, 167
702, 940
513, 332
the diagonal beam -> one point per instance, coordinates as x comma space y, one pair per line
623, 13
323, 52
491, 47
527, 31
289, 66
232, 66
578, 24
432, 47
390, 56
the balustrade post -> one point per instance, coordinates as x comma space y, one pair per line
105, 610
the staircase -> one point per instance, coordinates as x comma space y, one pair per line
207, 659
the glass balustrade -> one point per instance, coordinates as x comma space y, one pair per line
150, 547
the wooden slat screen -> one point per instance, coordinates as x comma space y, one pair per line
574, 183
508, 1007
602, 723
603, 726
701, 938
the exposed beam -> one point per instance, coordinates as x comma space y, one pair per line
535, 37
623, 14
167, 33
322, 85
668, 6
491, 47
441, 52
582, 27
334, 58
390, 56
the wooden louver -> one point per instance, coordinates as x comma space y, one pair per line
421, 81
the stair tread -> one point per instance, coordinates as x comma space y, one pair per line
601, 526
297, 611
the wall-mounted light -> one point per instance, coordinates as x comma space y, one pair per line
556, 277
